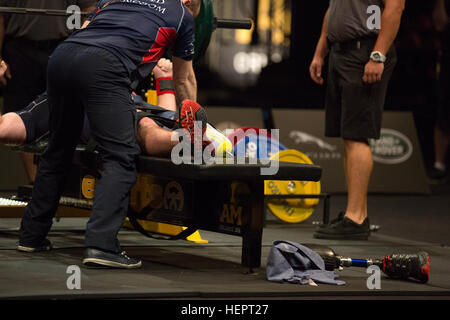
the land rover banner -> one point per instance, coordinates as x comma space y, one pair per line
398, 165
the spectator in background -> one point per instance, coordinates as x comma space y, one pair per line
26, 42
361, 62
442, 126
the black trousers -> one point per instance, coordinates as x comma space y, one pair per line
86, 80
28, 62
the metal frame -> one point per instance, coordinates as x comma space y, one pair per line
325, 196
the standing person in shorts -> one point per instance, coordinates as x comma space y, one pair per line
361, 61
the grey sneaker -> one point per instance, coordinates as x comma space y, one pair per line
95, 258
45, 246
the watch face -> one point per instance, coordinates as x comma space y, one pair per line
376, 56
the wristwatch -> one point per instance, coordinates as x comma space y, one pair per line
378, 57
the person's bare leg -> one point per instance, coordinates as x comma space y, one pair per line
12, 129
441, 144
358, 168
13, 132
154, 140
30, 167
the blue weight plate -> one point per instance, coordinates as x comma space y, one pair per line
257, 146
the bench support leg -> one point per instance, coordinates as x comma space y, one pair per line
326, 209
253, 229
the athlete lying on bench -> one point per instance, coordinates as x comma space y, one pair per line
155, 124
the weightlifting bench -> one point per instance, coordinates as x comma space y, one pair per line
224, 198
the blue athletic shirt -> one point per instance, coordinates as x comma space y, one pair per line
139, 32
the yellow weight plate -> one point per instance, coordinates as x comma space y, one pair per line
292, 210
88, 187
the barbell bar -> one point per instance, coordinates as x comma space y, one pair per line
205, 23
218, 23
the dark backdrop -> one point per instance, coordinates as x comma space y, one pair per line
287, 84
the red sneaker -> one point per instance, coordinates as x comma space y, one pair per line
191, 113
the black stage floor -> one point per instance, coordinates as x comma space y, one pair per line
185, 270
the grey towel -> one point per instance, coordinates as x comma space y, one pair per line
293, 263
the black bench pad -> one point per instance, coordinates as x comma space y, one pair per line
213, 172
247, 171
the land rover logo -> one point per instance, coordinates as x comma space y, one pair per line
393, 147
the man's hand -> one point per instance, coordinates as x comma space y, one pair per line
4, 72
315, 70
373, 72
163, 69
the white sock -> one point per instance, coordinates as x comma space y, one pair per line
440, 166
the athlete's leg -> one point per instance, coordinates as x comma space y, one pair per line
12, 129
13, 132
26, 126
154, 140
29, 165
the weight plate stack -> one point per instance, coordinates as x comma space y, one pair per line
292, 210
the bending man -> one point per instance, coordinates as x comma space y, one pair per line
93, 72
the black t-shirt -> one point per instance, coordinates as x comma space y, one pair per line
139, 32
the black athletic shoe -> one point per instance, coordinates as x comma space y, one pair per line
45, 246
344, 229
437, 176
404, 266
96, 258
337, 219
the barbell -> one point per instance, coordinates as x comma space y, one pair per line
205, 23
290, 201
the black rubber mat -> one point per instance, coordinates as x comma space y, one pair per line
186, 270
